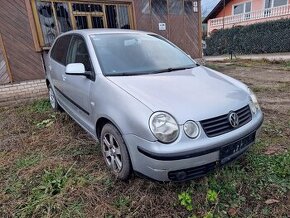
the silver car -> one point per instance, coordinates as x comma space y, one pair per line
154, 110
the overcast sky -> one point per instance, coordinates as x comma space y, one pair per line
207, 6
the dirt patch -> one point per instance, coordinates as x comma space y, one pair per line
57, 169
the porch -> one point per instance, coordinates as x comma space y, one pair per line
249, 18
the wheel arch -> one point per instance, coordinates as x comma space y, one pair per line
47, 82
101, 122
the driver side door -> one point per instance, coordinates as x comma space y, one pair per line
77, 88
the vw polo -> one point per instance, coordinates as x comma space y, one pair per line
153, 109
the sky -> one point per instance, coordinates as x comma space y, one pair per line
207, 6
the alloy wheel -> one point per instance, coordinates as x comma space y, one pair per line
52, 98
112, 152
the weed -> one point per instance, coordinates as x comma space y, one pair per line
208, 215
41, 106
14, 187
27, 161
186, 200
41, 199
212, 196
46, 123
74, 209
122, 202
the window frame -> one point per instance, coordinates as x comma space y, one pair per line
244, 8
90, 59
53, 47
71, 45
272, 4
38, 30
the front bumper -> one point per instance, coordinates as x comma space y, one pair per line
186, 158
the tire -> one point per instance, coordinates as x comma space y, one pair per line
115, 152
52, 99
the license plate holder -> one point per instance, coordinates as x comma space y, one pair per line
228, 151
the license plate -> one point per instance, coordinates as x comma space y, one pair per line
227, 152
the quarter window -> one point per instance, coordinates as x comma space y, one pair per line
59, 50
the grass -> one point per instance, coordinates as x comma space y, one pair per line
57, 170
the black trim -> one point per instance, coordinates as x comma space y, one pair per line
71, 101
165, 157
177, 157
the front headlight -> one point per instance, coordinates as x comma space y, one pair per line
164, 127
254, 105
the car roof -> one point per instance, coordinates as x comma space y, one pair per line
87, 32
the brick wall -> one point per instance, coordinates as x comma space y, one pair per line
13, 94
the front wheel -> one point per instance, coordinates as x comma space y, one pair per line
115, 152
52, 99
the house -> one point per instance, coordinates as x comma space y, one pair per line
29, 27
230, 13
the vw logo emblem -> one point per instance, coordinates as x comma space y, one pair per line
234, 119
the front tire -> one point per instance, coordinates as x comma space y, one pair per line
52, 99
115, 152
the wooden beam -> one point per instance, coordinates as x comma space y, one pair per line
2, 47
32, 26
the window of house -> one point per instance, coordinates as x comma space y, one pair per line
275, 3
159, 7
47, 22
53, 17
190, 7
175, 7
111, 12
145, 6
63, 17
242, 8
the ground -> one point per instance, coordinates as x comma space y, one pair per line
50, 167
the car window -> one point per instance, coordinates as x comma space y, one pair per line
59, 50
78, 53
127, 54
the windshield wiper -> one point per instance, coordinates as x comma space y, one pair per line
150, 72
125, 74
171, 69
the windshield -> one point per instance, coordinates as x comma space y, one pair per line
136, 54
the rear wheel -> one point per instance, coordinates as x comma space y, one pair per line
52, 99
115, 152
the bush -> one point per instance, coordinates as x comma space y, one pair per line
267, 37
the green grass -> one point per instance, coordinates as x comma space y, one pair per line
41, 106
43, 197
28, 161
49, 167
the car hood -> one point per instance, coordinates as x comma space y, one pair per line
194, 94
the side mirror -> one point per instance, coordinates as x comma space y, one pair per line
75, 69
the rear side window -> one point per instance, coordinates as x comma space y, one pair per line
59, 50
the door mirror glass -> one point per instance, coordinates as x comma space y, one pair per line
75, 69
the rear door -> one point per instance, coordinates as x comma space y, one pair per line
57, 65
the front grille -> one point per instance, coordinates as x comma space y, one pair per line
220, 125
191, 173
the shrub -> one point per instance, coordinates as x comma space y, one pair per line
267, 37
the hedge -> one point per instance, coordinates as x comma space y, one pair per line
267, 37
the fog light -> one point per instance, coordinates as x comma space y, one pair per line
191, 129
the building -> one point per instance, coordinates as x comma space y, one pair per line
230, 13
29, 27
